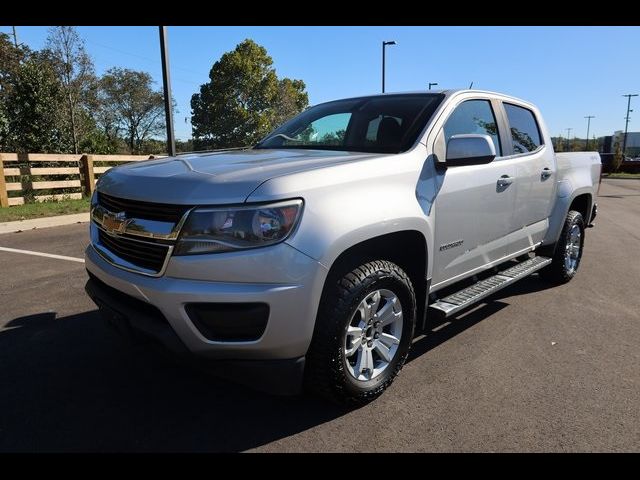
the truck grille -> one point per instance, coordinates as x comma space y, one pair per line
145, 210
147, 255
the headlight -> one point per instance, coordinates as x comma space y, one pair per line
211, 230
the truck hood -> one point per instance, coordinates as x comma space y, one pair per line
213, 178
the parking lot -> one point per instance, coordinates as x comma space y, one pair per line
533, 369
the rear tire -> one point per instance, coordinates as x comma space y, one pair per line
568, 251
366, 319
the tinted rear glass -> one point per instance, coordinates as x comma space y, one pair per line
525, 134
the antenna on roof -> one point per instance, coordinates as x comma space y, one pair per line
471, 86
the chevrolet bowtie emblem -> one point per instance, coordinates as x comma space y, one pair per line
115, 222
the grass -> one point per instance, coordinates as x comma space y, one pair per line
44, 209
622, 175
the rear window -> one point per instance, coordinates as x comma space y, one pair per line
525, 134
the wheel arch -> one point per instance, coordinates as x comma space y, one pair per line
582, 203
580, 200
406, 248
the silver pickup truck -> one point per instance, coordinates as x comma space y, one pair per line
310, 260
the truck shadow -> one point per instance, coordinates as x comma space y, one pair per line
439, 331
71, 384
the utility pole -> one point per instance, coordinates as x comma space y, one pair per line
569, 139
626, 124
15, 37
432, 84
588, 117
166, 82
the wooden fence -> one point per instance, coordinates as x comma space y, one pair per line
40, 176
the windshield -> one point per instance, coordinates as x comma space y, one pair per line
382, 124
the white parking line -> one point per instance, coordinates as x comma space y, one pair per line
41, 254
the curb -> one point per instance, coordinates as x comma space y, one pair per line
621, 178
45, 222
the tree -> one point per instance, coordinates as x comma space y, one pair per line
617, 156
76, 74
130, 105
33, 108
243, 99
11, 59
290, 100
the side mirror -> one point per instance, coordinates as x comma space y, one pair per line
470, 149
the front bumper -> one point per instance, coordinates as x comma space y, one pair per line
131, 317
280, 276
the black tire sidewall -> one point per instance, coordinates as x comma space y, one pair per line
380, 280
574, 218
557, 272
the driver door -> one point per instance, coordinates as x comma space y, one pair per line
472, 210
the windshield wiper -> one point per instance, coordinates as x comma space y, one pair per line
286, 137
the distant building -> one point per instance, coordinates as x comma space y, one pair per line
633, 142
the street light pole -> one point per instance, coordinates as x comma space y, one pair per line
384, 44
626, 124
432, 83
588, 117
166, 83
568, 138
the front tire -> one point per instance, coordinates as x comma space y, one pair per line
363, 334
568, 252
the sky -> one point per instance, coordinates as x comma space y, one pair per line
568, 72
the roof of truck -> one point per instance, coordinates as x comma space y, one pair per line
447, 92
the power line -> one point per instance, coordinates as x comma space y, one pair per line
155, 62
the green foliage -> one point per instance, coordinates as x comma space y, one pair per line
33, 109
11, 58
577, 144
184, 146
617, 157
52, 102
78, 82
44, 209
290, 100
244, 100
130, 105
95, 141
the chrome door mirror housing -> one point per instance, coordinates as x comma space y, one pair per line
470, 149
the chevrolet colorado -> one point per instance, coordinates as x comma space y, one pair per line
311, 259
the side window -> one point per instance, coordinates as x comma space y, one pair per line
473, 116
525, 134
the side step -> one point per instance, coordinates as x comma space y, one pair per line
458, 301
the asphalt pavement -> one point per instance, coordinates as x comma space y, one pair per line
535, 368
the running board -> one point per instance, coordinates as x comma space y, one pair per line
458, 301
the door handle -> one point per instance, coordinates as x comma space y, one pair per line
505, 180
546, 173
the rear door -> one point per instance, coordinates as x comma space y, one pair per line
535, 177
472, 212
